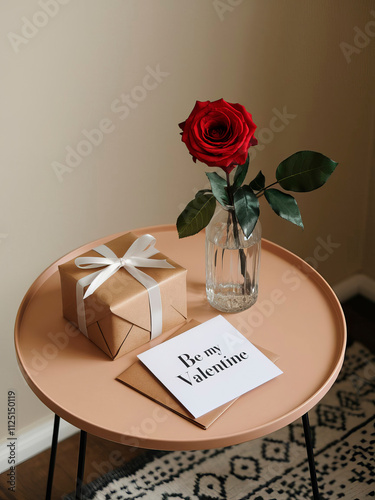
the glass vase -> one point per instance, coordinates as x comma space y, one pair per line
232, 262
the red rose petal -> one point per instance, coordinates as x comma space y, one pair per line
219, 133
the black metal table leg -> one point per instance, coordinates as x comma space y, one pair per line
310, 456
81, 464
52, 459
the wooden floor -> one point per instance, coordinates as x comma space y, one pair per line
103, 456
31, 476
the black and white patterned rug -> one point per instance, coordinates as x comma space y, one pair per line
274, 467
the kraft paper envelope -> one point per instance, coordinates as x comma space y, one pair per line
118, 312
138, 377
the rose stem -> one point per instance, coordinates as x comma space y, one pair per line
235, 229
261, 192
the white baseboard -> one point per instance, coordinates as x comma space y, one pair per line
38, 439
356, 284
34, 441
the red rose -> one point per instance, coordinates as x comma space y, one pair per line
219, 134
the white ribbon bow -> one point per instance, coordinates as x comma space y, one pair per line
137, 255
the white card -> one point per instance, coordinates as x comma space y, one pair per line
209, 365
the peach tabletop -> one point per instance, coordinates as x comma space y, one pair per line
297, 316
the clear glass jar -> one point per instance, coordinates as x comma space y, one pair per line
232, 262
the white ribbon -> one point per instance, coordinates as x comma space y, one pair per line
136, 256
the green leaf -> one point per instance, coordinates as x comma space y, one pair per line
241, 171
304, 171
246, 206
284, 205
196, 215
258, 182
218, 185
203, 191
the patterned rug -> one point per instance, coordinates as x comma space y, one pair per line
274, 467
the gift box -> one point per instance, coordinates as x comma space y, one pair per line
123, 294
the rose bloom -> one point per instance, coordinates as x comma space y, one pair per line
219, 134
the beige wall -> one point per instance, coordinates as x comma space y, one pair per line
67, 76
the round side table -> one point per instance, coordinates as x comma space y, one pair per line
297, 316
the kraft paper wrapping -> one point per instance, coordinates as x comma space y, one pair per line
138, 377
118, 312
